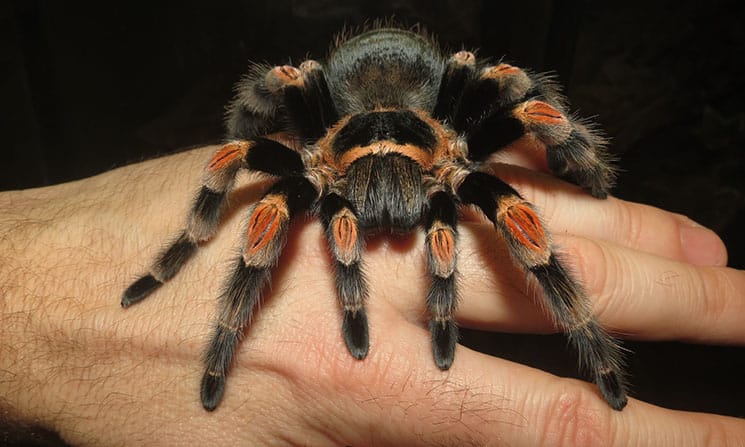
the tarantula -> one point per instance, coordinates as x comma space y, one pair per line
393, 135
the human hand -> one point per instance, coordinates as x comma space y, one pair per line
73, 360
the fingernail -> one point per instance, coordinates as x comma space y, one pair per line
701, 246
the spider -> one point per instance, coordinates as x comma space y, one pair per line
392, 136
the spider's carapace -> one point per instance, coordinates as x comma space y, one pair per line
392, 135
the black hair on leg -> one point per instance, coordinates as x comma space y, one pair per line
458, 72
347, 244
441, 232
530, 246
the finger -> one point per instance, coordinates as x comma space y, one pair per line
484, 400
634, 294
566, 209
650, 297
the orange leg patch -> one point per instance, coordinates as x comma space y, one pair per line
344, 230
500, 70
228, 154
264, 225
442, 248
541, 113
525, 227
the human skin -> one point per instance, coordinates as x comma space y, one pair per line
74, 361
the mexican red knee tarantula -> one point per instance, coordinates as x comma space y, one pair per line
393, 136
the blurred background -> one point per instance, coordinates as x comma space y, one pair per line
90, 87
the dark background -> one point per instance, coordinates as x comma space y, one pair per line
88, 87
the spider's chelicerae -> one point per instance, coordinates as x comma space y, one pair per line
392, 136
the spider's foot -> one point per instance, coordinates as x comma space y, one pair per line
140, 289
444, 340
613, 389
213, 387
355, 333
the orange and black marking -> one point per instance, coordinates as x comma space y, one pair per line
540, 112
228, 155
500, 70
401, 131
345, 236
342, 229
267, 222
441, 246
440, 225
523, 223
523, 230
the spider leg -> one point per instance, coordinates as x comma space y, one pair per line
530, 246
459, 71
440, 227
259, 154
347, 243
308, 101
268, 94
574, 150
266, 232
502, 104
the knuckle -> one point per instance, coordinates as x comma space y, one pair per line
574, 419
628, 224
717, 435
714, 290
597, 272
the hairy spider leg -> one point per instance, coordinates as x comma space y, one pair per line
346, 242
308, 102
441, 232
265, 235
530, 246
459, 70
260, 154
502, 104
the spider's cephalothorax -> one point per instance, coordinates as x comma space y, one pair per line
392, 135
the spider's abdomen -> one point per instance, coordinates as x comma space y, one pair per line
385, 68
386, 191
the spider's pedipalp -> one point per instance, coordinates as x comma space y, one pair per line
259, 154
530, 246
440, 226
266, 232
346, 243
